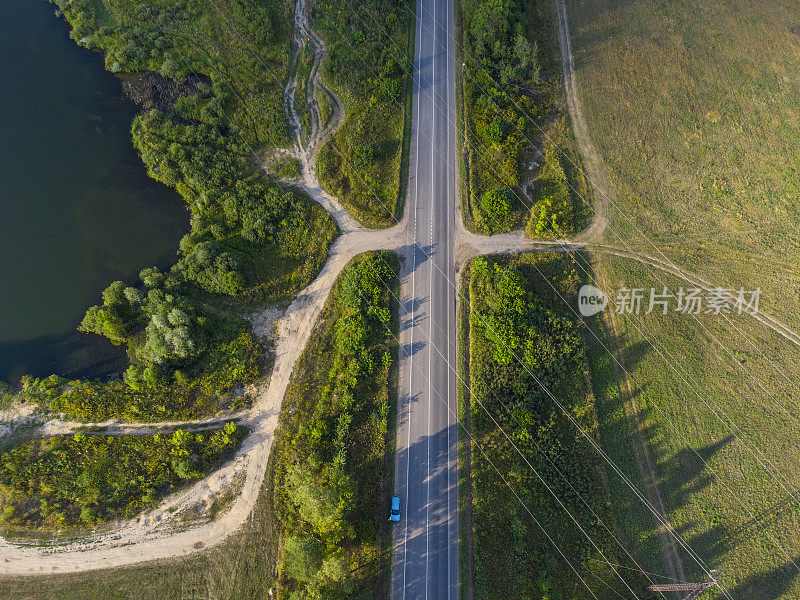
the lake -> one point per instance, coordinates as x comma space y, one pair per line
77, 209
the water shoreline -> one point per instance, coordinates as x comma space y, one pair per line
106, 219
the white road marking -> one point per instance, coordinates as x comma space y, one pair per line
449, 343
412, 317
431, 257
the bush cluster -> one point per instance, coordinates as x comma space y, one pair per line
518, 136
84, 479
552, 212
502, 70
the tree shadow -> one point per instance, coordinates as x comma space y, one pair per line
687, 472
770, 585
408, 350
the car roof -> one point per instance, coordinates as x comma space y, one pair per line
395, 501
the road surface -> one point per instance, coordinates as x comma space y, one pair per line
425, 545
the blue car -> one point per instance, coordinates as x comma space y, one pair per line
394, 514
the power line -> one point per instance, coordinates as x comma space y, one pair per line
600, 451
775, 541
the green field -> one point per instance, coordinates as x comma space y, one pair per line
693, 107
369, 66
721, 427
522, 307
334, 448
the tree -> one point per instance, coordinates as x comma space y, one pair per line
302, 558
323, 505
527, 56
152, 277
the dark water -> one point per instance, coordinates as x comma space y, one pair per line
77, 210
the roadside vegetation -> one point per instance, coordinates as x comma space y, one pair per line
518, 150
520, 310
369, 66
86, 479
334, 457
320, 524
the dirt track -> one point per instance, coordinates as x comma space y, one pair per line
152, 536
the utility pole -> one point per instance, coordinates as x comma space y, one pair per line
694, 589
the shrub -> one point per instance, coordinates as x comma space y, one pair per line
552, 211
85, 478
496, 206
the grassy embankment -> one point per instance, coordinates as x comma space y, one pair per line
214, 104
518, 154
369, 66
522, 298
322, 510
694, 109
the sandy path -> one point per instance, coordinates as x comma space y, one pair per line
593, 163
153, 535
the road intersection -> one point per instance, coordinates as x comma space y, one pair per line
432, 243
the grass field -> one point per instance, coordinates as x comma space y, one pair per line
723, 440
694, 109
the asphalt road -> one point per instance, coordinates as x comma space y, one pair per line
425, 545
